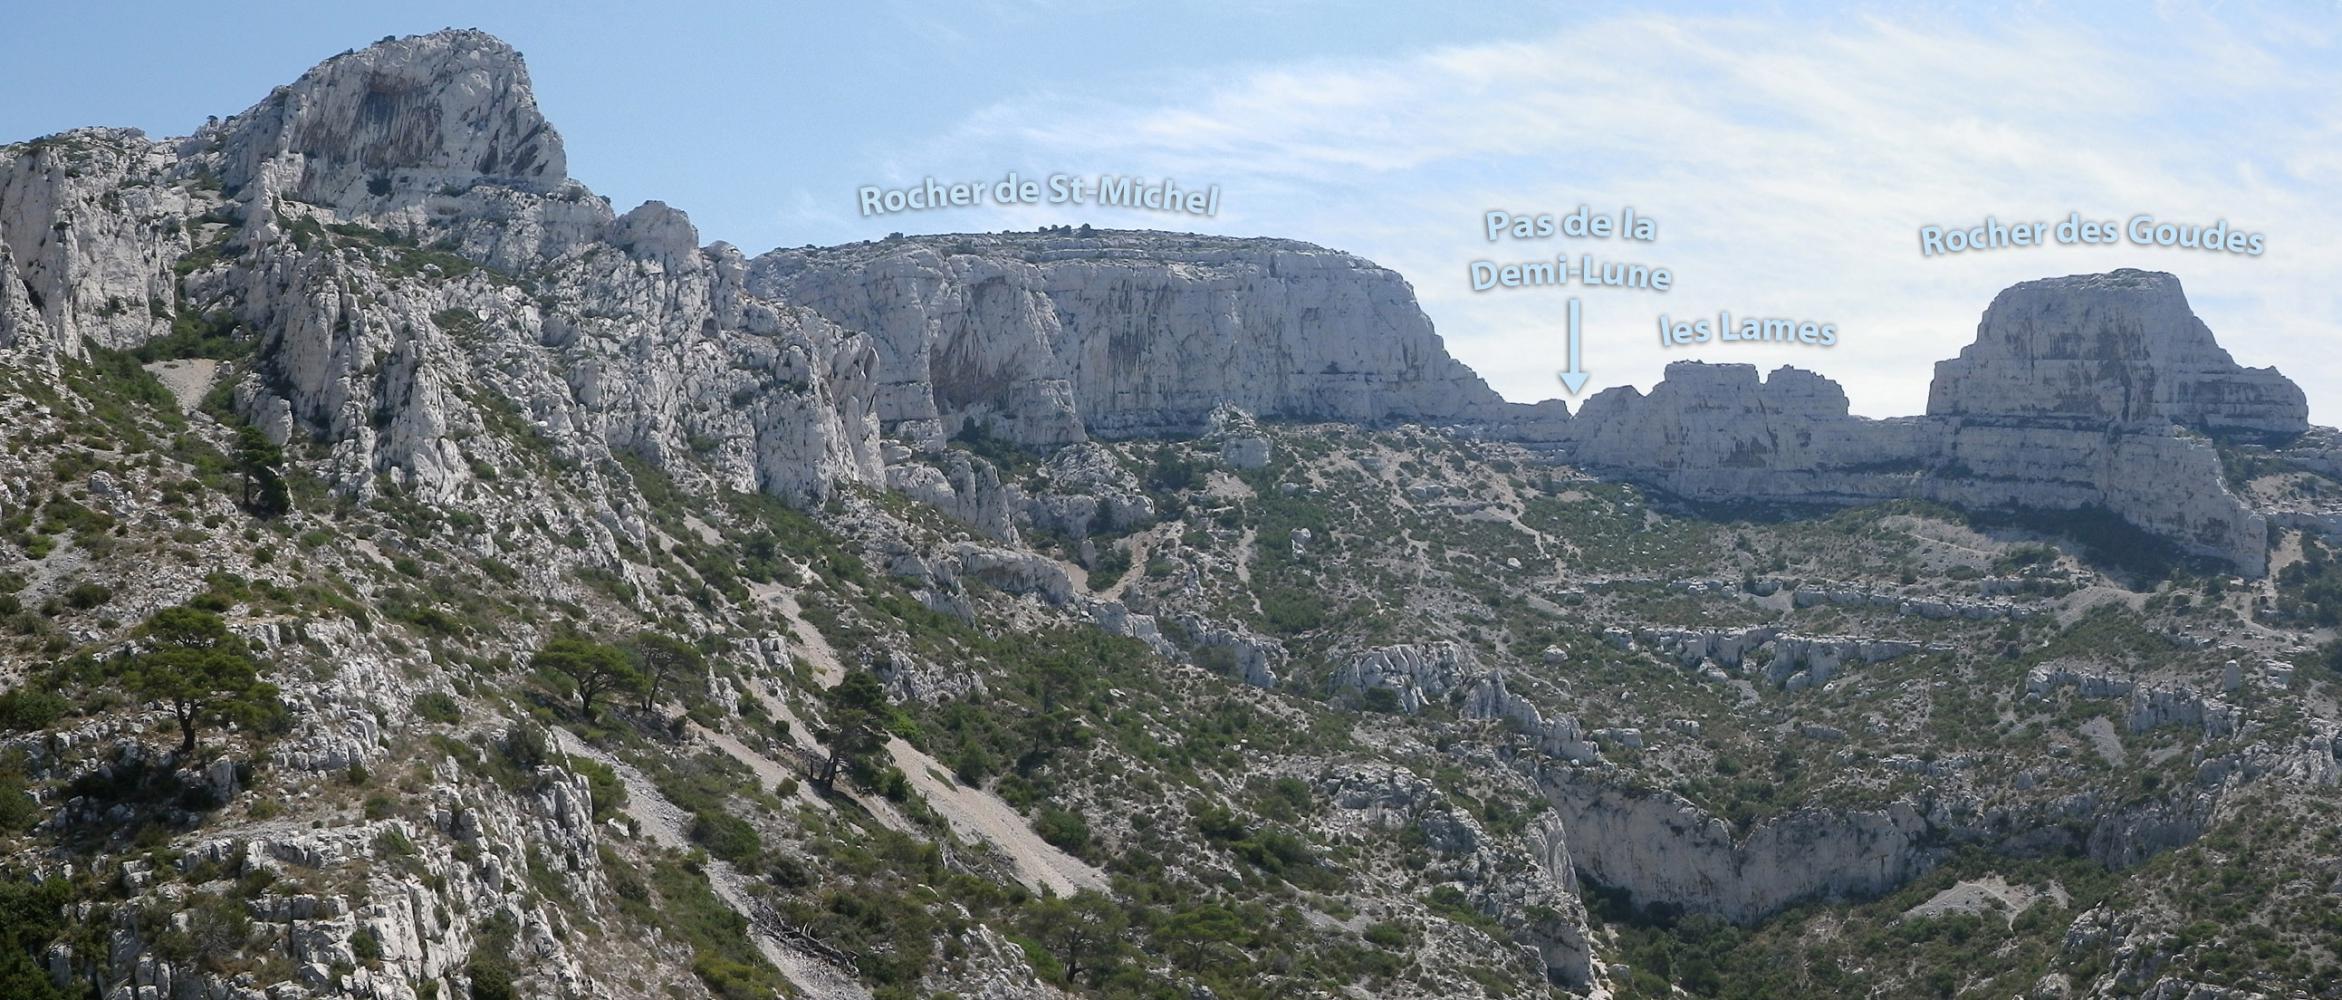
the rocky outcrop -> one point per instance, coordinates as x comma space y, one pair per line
1529, 885
1558, 737
1803, 661
1814, 595
1791, 661
1662, 851
417, 133
80, 254
958, 484
1415, 675
2109, 349
1242, 445
1716, 431
1088, 490
2182, 706
1052, 337
1690, 647
2081, 392
1257, 659
2150, 706
1014, 571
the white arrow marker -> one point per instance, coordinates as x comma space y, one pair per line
1573, 378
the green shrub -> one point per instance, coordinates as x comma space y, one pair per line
491, 976
29, 709
31, 918
726, 836
603, 783
1063, 828
1113, 565
18, 810
86, 595
366, 945
438, 706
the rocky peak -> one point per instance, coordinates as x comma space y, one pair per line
656, 231
398, 119
2117, 347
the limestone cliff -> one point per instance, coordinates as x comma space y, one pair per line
1051, 337
2088, 391
2115, 348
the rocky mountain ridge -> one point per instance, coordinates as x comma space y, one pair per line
2079, 392
1044, 338
2085, 391
1383, 696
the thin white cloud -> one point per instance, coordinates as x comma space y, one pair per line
1789, 162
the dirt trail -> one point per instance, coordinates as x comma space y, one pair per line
1142, 551
1244, 555
828, 670
974, 814
769, 772
664, 823
981, 816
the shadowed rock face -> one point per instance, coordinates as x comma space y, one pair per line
2074, 394
2109, 348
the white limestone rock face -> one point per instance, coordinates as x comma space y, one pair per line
1051, 337
82, 253
414, 131
399, 117
1718, 431
2079, 392
962, 485
1559, 737
1415, 674
1257, 659
1662, 850
363, 224
1242, 446
2120, 347
1014, 571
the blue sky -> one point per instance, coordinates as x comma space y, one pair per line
1789, 153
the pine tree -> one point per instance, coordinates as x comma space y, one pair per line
591, 668
858, 717
203, 671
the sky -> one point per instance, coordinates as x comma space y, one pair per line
1788, 153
